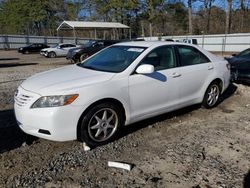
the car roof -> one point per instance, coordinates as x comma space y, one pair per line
65, 43
148, 43
153, 44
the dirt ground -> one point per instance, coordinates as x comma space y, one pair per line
192, 147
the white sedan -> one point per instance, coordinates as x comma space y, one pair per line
58, 50
120, 85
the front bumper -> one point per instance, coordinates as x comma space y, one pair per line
43, 53
56, 123
237, 76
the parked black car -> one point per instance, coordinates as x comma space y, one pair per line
240, 66
73, 51
32, 48
77, 55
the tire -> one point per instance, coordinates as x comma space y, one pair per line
96, 128
84, 56
52, 54
211, 96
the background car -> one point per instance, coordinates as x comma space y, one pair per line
73, 51
32, 48
240, 66
117, 86
58, 50
89, 49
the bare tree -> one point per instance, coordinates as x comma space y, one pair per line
242, 14
207, 6
228, 16
190, 25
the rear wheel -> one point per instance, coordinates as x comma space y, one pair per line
212, 95
101, 124
52, 54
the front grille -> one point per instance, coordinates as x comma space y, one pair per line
22, 99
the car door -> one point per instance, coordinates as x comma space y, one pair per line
158, 92
33, 48
67, 48
196, 69
60, 49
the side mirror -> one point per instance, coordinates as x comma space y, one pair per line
234, 55
145, 69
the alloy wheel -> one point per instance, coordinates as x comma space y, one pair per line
213, 95
103, 124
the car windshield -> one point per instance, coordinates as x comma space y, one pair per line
54, 46
244, 53
113, 59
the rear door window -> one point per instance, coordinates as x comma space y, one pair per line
189, 55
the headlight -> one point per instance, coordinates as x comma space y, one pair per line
20, 48
54, 101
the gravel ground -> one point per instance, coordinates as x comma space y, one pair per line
192, 147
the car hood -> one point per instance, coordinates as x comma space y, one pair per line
238, 60
64, 79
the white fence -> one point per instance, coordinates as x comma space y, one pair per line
16, 41
217, 43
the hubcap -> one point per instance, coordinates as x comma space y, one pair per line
103, 124
53, 54
213, 95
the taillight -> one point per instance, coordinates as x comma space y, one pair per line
228, 66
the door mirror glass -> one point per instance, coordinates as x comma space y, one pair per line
145, 69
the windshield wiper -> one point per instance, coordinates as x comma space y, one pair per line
89, 67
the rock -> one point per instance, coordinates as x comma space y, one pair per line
155, 179
85, 147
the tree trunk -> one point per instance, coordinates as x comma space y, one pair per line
228, 16
208, 16
242, 14
190, 25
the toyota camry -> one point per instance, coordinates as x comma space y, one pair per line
122, 84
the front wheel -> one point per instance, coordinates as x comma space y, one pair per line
52, 54
84, 56
101, 124
212, 95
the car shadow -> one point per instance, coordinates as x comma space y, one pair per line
8, 59
147, 122
228, 93
11, 136
6, 65
246, 181
157, 76
242, 82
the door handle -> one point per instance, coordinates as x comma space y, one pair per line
210, 67
175, 75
